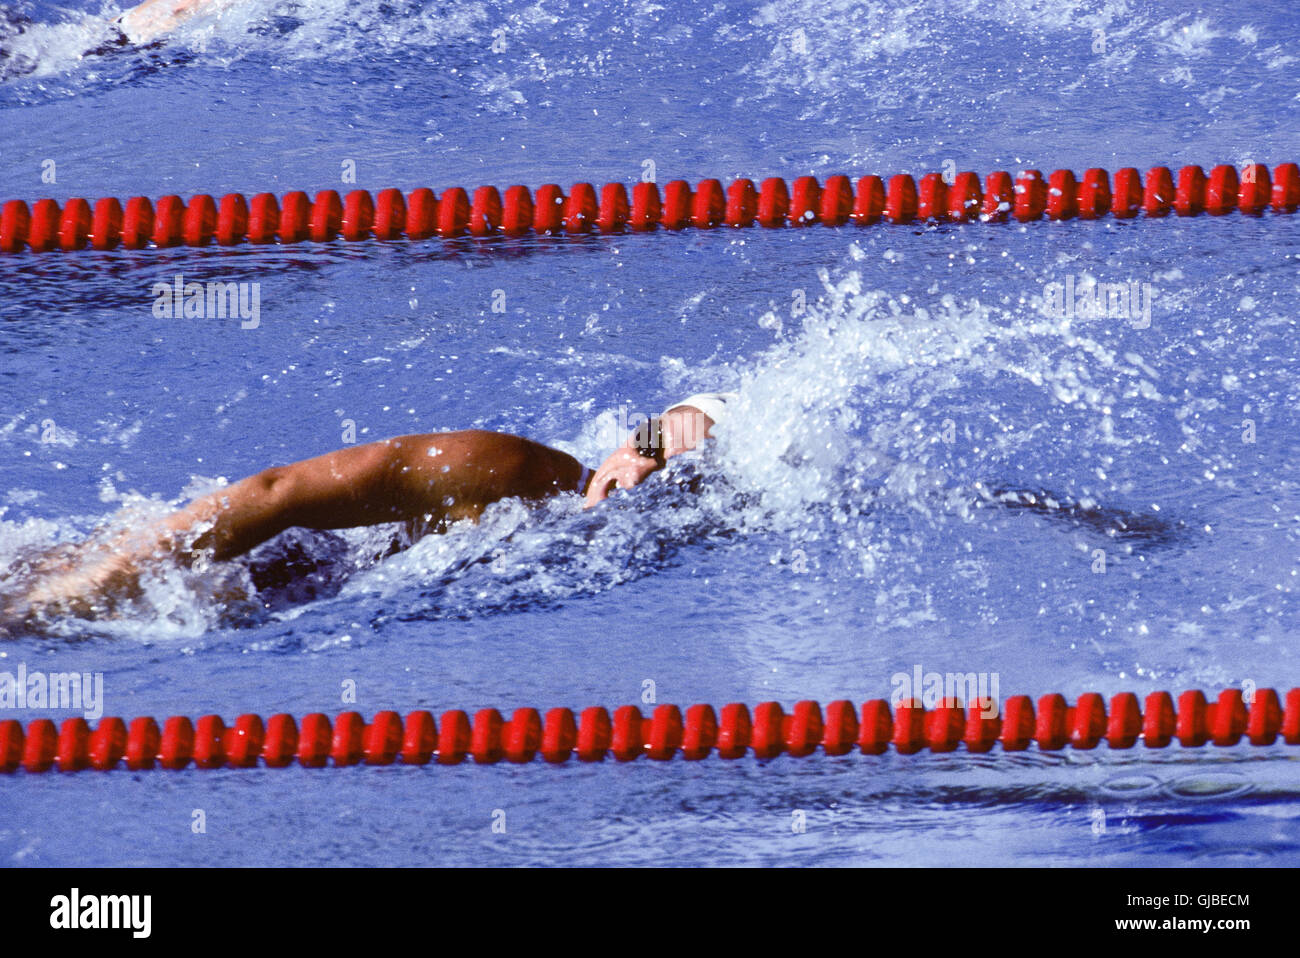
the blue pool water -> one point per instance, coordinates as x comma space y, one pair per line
837, 539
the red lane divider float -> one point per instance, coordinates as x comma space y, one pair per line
422, 214
316, 742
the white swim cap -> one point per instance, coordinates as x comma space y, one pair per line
713, 405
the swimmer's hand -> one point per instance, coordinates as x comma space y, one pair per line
624, 469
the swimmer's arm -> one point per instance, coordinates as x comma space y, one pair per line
339, 490
434, 476
153, 18
681, 429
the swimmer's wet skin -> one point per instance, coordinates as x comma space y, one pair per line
425, 480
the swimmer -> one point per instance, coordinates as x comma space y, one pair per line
426, 481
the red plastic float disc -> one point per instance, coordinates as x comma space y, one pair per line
453, 212
349, 733
709, 205
390, 215
840, 729
1062, 196
595, 731
106, 226
485, 742
580, 209
836, 202
646, 208
735, 729
1265, 719
522, 735
107, 743
944, 726
1088, 723
999, 197
1031, 195
419, 738
1094, 197
1125, 724
700, 734
232, 219
983, 723
74, 225
358, 216
454, 737
200, 222
326, 217
1229, 718
804, 728
421, 214
1291, 718
614, 208
210, 742
74, 741
1286, 188
1221, 190
1190, 727
244, 741
805, 201
548, 215
1052, 728
773, 203
176, 748
1158, 195
295, 217
12, 745
665, 735
1256, 188
43, 232
314, 740
676, 214
876, 729
485, 212
965, 196
1018, 725
1189, 197
742, 203
263, 218
281, 744
142, 742
900, 199
559, 735
517, 211
626, 742
869, 201
768, 736
932, 198
909, 727
41, 745
382, 739
15, 223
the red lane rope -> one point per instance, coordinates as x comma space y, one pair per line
421, 214
317, 742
